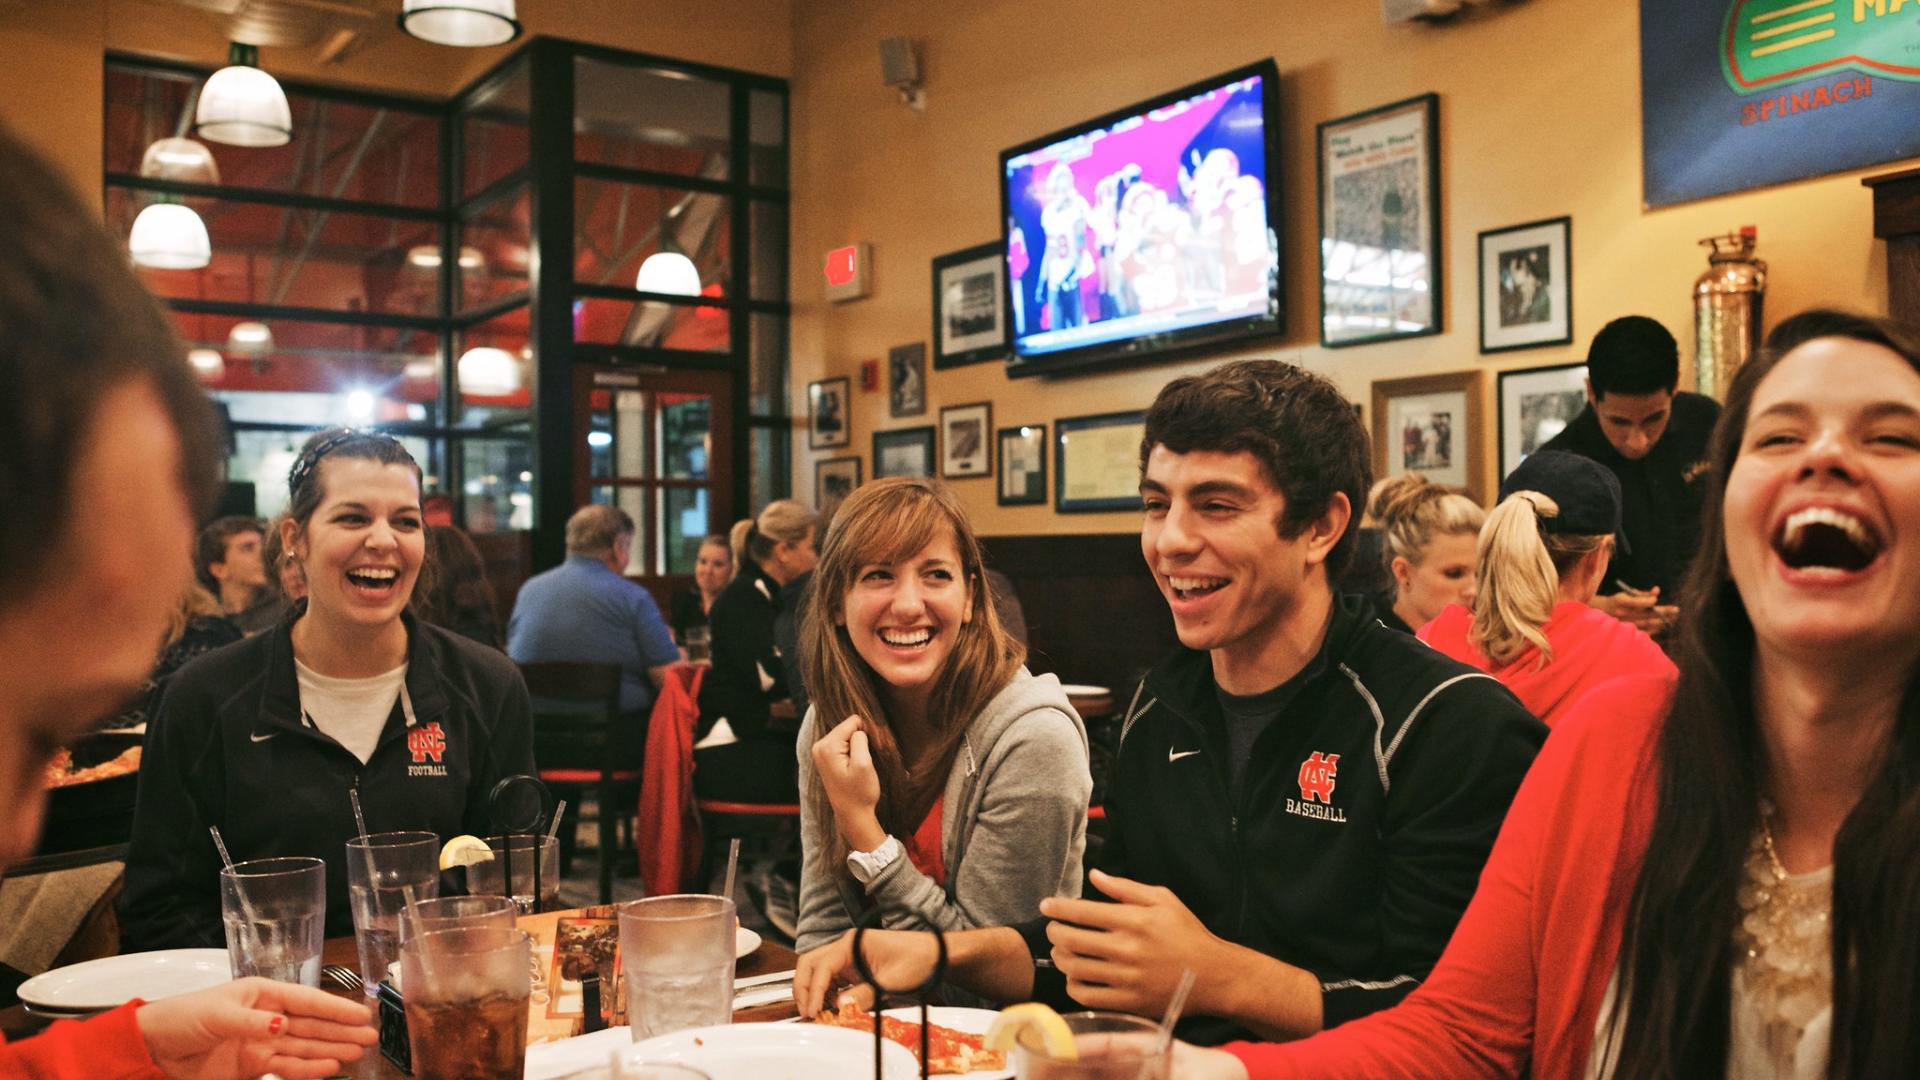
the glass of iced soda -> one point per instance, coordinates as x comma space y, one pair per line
466, 992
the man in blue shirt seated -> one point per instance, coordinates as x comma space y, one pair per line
586, 611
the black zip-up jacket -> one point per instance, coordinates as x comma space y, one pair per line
1368, 809
231, 747
744, 648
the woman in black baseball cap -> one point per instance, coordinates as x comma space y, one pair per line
1542, 555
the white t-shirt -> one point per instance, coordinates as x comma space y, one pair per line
352, 712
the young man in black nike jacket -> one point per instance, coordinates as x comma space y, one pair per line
1303, 799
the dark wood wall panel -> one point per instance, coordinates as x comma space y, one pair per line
1093, 612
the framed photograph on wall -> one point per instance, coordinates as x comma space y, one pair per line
1431, 425
1023, 465
828, 421
1535, 405
907, 380
1526, 285
906, 452
966, 440
1096, 462
1379, 174
969, 306
833, 480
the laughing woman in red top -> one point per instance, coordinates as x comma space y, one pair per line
941, 782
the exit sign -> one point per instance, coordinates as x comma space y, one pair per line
847, 272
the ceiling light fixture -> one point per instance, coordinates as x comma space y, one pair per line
466, 24
208, 362
251, 338
427, 257
484, 371
169, 236
240, 105
179, 159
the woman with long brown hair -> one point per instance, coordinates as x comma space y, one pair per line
1725, 885
942, 783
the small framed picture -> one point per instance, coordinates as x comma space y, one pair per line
1097, 462
828, 424
906, 452
965, 446
907, 380
969, 307
1430, 425
1535, 405
1023, 465
1380, 260
1526, 285
833, 480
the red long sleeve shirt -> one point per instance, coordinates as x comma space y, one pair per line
1520, 984
104, 1047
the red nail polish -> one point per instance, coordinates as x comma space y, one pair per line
274, 1025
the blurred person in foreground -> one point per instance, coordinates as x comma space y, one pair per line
1541, 558
1427, 537
98, 408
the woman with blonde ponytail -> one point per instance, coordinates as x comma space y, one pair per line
1542, 555
1427, 535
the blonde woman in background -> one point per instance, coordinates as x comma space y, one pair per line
1542, 556
1428, 533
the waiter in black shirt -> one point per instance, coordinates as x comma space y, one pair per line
1655, 440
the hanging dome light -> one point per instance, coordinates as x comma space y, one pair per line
462, 23
251, 338
485, 371
180, 159
169, 236
207, 362
240, 105
669, 272
427, 257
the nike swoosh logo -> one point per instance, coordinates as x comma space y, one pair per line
1173, 756
263, 738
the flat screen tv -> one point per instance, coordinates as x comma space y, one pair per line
1148, 231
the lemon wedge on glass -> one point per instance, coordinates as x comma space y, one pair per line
1034, 1026
464, 851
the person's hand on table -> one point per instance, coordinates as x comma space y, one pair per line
1129, 955
252, 1026
845, 765
896, 957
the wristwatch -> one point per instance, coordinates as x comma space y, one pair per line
866, 865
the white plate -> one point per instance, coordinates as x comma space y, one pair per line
1083, 690
98, 985
744, 942
971, 1021
735, 1052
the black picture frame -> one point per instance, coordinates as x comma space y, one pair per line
958, 424
1025, 444
825, 399
1353, 135
1096, 462
964, 281
844, 472
1564, 386
1537, 309
907, 380
898, 441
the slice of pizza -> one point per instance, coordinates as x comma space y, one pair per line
949, 1052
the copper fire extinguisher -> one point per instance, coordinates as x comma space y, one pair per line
1726, 309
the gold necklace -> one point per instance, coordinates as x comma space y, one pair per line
1785, 945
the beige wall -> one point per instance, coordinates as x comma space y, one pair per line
1539, 117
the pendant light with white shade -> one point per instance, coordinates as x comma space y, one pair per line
179, 159
486, 371
169, 236
250, 338
668, 271
241, 105
468, 24
208, 363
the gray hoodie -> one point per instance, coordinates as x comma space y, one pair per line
1013, 825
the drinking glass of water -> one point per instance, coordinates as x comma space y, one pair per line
677, 952
275, 914
379, 868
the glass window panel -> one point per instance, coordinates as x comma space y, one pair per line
686, 435
767, 138
651, 323
495, 250
767, 269
767, 469
321, 373
497, 487
493, 375
767, 392
494, 140
616, 226
263, 459
650, 118
281, 255
685, 520
340, 150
